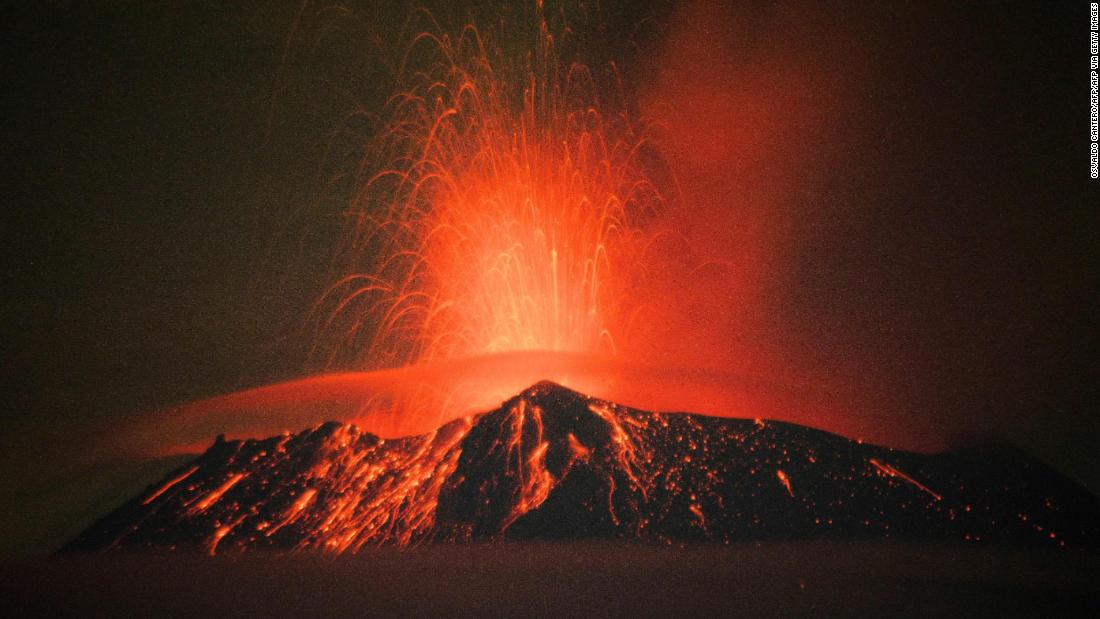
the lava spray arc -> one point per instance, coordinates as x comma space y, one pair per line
514, 215
504, 205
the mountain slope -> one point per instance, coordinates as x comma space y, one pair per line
553, 464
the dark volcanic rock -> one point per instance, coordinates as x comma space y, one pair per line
554, 464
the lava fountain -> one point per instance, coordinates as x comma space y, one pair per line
507, 224
503, 207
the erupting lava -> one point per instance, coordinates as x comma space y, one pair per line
513, 219
503, 208
515, 216
551, 463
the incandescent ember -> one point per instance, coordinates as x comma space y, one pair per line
554, 464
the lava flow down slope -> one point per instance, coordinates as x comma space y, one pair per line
554, 464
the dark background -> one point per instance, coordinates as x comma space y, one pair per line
166, 214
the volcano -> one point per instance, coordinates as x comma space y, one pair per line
553, 464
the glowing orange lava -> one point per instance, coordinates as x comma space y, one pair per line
513, 221
551, 463
168, 484
891, 471
504, 207
786, 481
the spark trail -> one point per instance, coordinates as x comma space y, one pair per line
504, 206
551, 463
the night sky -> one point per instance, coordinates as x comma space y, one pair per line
168, 211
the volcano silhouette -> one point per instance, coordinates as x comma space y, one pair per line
554, 464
